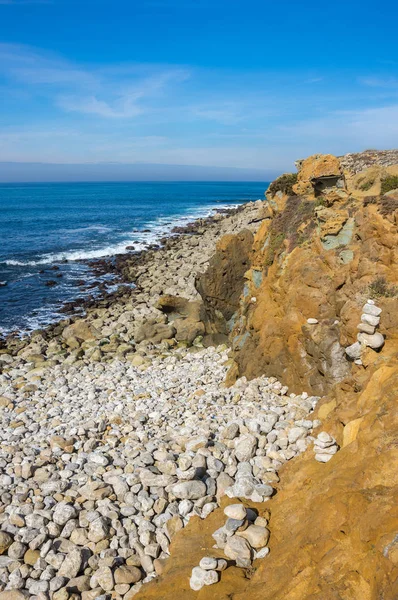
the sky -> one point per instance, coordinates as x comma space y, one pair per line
250, 85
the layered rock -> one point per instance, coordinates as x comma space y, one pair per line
321, 253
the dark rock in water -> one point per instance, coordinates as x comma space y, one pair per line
69, 307
59, 275
81, 282
42, 271
50, 283
54, 268
130, 247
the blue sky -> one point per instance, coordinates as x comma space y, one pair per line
196, 82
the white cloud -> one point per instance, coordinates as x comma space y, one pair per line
381, 82
112, 93
340, 132
173, 114
124, 108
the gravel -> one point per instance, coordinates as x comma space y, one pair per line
101, 465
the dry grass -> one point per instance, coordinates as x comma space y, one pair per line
381, 288
285, 225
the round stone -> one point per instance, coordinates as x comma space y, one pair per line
5, 541
208, 563
235, 511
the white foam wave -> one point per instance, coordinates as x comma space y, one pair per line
141, 240
99, 228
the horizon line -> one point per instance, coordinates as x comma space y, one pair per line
221, 181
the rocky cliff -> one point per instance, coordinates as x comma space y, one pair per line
290, 299
327, 242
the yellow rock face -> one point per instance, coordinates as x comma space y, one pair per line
333, 526
351, 431
310, 261
326, 408
316, 167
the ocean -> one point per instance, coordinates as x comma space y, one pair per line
50, 231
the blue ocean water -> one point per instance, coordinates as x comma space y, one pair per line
44, 225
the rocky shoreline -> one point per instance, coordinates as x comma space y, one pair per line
128, 268
122, 444
117, 429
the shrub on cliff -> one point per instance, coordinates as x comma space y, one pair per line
288, 225
365, 187
388, 205
283, 184
380, 287
388, 183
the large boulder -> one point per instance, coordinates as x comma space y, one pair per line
188, 329
176, 307
319, 174
221, 286
154, 332
81, 331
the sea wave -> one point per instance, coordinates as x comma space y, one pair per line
99, 228
141, 240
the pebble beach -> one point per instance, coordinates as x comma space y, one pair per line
111, 442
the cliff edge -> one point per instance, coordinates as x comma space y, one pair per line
290, 299
327, 243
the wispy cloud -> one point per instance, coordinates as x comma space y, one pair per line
104, 92
351, 130
381, 82
124, 108
227, 114
64, 111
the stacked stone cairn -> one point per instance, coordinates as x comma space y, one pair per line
207, 572
367, 336
243, 539
325, 446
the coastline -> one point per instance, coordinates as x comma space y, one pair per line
123, 447
105, 272
128, 269
44, 261
118, 430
